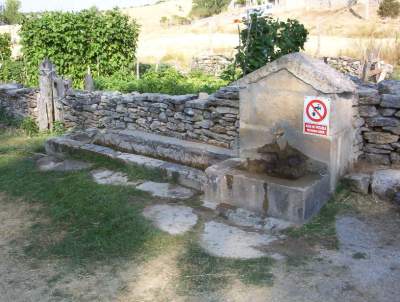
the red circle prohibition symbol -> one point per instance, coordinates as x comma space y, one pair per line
316, 106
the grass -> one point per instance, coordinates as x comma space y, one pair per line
86, 221
201, 272
321, 229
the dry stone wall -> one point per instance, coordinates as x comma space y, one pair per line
379, 110
18, 101
345, 65
213, 119
213, 64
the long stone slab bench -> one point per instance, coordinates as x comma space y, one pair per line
194, 154
184, 175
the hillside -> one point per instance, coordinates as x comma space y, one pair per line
337, 32
332, 33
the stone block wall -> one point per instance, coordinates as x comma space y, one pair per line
212, 120
18, 101
379, 110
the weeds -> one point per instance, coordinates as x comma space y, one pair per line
29, 126
321, 229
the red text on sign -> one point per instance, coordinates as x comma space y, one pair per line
315, 129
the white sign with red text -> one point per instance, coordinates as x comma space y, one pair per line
316, 116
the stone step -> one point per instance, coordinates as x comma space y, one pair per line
184, 175
194, 154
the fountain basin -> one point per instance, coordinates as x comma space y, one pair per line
296, 200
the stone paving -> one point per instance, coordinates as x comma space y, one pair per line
173, 219
108, 177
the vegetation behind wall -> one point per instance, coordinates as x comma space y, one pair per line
105, 43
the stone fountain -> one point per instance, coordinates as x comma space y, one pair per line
283, 172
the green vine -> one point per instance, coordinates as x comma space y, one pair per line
75, 41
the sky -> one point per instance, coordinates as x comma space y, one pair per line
43, 5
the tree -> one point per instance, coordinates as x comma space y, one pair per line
266, 39
11, 14
207, 8
389, 8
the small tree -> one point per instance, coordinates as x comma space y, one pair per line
207, 8
266, 39
10, 14
389, 8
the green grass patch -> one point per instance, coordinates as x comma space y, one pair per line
83, 221
321, 229
201, 272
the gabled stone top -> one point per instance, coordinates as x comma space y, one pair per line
314, 72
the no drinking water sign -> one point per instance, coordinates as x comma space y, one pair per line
316, 116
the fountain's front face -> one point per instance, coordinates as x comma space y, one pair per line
283, 172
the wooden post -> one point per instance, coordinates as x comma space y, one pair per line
46, 113
52, 90
89, 83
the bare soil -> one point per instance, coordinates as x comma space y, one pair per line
365, 268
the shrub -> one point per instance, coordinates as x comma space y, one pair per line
389, 8
13, 71
265, 39
5, 47
73, 41
231, 73
29, 126
164, 21
167, 80
179, 20
207, 8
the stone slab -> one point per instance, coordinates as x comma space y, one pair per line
184, 175
189, 153
386, 183
166, 190
49, 163
358, 182
221, 240
108, 177
173, 219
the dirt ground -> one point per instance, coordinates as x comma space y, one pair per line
365, 268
